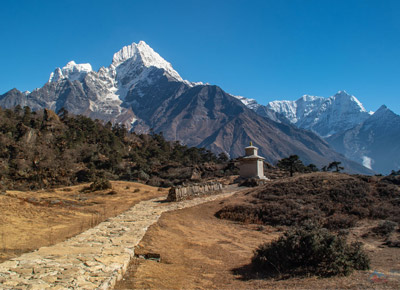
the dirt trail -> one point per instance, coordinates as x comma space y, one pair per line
94, 259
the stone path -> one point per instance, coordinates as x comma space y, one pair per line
94, 259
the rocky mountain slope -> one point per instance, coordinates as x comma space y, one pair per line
375, 142
141, 90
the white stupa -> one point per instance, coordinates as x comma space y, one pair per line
252, 165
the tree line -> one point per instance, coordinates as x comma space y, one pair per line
40, 149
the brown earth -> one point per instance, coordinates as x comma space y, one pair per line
32, 219
200, 251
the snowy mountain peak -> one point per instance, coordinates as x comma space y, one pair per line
346, 97
342, 93
125, 53
71, 66
309, 98
250, 103
324, 116
146, 55
72, 71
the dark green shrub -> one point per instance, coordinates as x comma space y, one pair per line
310, 250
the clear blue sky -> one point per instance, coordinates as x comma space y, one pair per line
265, 50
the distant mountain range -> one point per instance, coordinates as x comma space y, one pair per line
142, 91
375, 142
366, 137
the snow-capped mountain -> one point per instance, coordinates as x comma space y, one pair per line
81, 90
324, 116
142, 90
262, 110
71, 71
369, 138
375, 142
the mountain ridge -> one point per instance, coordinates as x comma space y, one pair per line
374, 142
145, 92
339, 119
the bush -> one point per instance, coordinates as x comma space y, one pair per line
98, 184
310, 250
385, 228
340, 221
249, 182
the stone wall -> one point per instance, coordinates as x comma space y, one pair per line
184, 192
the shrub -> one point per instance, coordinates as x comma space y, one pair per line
84, 175
98, 184
392, 242
340, 221
249, 182
310, 250
338, 201
385, 228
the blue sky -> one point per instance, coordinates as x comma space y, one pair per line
266, 50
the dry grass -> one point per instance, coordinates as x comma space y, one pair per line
200, 251
33, 219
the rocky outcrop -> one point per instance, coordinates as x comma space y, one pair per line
185, 192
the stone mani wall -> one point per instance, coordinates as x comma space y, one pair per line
184, 192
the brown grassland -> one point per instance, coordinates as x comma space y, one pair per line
32, 219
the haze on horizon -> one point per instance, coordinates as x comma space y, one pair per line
267, 50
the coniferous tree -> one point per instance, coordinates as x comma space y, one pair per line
291, 164
335, 165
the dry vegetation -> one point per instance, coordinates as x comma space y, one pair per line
33, 219
200, 251
337, 201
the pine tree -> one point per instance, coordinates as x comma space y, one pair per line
335, 165
291, 164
